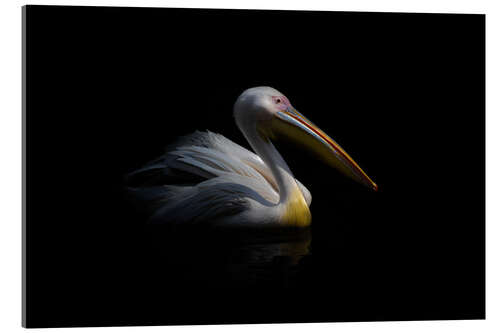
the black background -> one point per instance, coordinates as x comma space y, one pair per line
109, 88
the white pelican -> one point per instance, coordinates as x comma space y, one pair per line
207, 179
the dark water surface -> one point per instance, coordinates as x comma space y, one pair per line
228, 261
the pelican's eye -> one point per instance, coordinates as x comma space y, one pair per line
280, 102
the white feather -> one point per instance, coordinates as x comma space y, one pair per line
206, 177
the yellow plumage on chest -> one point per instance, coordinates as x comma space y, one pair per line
296, 212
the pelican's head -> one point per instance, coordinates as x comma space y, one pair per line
271, 114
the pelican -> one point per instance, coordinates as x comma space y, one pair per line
206, 179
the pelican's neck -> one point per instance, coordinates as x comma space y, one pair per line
273, 159
292, 205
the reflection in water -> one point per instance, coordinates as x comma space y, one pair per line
232, 261
268, 262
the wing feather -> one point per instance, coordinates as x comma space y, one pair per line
200, 177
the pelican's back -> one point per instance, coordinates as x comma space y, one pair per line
203, 176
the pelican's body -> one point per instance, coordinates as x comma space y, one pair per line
204, 178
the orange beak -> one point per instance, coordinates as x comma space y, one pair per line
294, 125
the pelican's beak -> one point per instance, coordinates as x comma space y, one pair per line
291, 124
